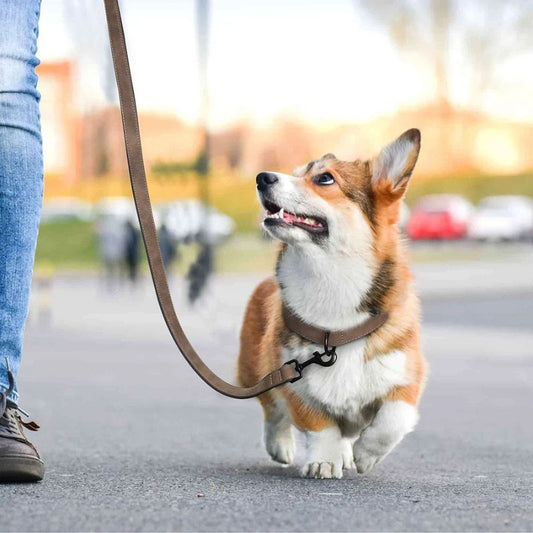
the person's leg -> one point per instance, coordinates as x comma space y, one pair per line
21, 174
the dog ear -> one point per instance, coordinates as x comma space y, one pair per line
394, 165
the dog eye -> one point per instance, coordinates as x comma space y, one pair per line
324, 179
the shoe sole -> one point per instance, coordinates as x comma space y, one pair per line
21, 469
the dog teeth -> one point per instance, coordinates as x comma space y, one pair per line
289, 218
308, 221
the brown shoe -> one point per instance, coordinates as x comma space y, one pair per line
19, 459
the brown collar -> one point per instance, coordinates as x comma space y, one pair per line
332, 338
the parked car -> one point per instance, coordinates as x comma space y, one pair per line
188, 220
119, 207
440, 216
502, 218
182, 218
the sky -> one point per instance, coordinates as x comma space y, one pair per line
318, 61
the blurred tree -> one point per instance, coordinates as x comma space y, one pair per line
229, 144
464, 43
95, 77
202, 268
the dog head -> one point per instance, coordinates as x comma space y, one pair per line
339, 205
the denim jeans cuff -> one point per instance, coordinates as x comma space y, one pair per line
14, 397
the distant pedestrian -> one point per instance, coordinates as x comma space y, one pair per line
132, 250
168, 245
112, 237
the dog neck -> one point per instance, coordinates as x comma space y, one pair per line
325, 289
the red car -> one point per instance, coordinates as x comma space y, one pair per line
439, 216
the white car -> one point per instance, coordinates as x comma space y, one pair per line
120, 207
502, 218
188, 220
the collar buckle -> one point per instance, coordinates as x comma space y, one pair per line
326, 358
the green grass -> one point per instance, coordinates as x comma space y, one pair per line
66, 244
72, 244
247, 253
473, 187
239, 201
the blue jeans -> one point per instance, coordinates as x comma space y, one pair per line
21, 173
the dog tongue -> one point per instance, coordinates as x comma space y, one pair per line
289, 218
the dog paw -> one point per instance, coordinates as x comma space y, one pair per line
348, 462
323, 470
364, 459
282, 448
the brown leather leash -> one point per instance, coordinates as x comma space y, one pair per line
288, 372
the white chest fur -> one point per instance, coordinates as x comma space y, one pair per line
351, 383
322, 289
325, 289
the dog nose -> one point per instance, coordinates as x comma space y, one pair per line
264, 179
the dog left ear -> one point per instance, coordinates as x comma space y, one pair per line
394, 165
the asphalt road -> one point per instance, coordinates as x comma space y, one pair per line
134, 441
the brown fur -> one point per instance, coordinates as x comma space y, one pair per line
264, 333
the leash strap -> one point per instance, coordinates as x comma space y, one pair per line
132, 138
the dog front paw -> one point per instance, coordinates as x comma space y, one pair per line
365, 459
281, 446
323, 470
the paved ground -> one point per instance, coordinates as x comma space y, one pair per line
131, 437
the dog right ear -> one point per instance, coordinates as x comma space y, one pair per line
393, 167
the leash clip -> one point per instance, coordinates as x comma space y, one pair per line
325, 358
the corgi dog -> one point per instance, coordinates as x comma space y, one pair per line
341, 260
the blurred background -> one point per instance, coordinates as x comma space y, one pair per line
228, 88
225, 89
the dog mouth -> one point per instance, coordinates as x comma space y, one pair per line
276, 215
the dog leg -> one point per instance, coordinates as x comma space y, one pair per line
279, 439
347, 454
325, 454
392, 422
